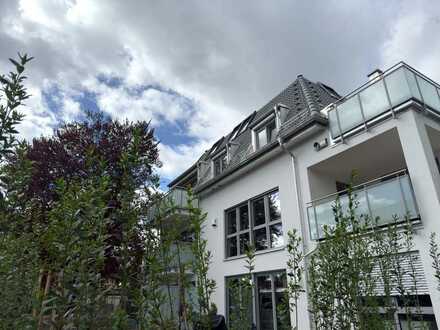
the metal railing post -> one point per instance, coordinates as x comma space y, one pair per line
420, 91
362, 111
388, 97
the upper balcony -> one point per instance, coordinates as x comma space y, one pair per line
173, 203
383, 198
382, 97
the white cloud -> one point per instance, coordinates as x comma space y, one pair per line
183, 153
37, 120
414, 37
70, 109
227, 57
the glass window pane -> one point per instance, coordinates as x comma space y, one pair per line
244, 217
231, 246
398, 87
409, 197
259, 216
333, 122
280, 280
429, 93
276, 236
224, 161
271, 131
265, 304
274, 206
244, 242
386, 201
350, 114
217, 166
262, 138
264, 282
231, 221
260, 239
374, 100
282, 308
281, 301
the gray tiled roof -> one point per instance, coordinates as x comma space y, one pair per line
303, 98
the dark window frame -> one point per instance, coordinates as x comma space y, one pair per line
255, 298
238, 231
251, 228
267, 221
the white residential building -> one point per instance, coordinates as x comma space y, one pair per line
283, 166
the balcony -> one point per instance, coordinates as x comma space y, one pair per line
175, 201
384, 198
380, 98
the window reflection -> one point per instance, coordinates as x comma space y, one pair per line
259, 216
231, 222
274, 206
244, 242
244, 217
276, 236
260, 239
232, 246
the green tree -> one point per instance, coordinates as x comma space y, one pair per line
12, 95
346, 291
240, 291
205, 286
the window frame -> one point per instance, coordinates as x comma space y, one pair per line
223, 162
238, 232
267, 221
263, 126
251, 227
255, 298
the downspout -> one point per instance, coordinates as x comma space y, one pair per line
306, 253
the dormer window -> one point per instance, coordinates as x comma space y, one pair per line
220, 163
265, 134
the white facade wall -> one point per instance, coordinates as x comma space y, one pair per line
277, 172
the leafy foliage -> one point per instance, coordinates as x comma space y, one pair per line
240, 295
434, 252
124, 152
344, 289
295, 272
12, 95
205, 286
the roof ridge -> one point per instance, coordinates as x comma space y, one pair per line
306, 93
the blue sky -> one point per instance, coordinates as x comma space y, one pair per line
195, 69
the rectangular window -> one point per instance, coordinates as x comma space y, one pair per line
237, 230
267, 231
220, 164
239, 300
256, 222
269, 301
266, 134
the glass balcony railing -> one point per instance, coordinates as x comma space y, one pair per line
176, 198
382, 97
384, 199
183, 252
